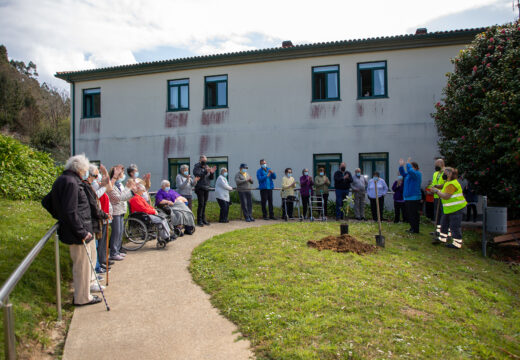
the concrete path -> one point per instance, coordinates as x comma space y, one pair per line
156, 310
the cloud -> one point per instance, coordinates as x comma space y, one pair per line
62, 35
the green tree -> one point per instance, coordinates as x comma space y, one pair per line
479, 115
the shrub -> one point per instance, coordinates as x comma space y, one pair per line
479, 114
26, 173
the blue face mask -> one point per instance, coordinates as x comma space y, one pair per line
225, 174
358, 174
305, 173
289, 174
136, 174
264, 166
399, 177
186, 173
321, 174
85, 177
376, 178
167, 188
119, 181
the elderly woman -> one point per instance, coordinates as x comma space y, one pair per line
222, 190
185, 183
382, 189
139, 204
306, 191
176, 206
69, 204
133, 173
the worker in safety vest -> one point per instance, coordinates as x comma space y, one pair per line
453, 204
437, 182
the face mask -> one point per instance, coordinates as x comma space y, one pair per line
243, 171
358, 174
321, 174
399, 178
99, 177
136, 175
264, 166
186, 173
225, 174
444, 177
289, 174
376, 178
305, 173
95, 185
343, 168
85, 177
437, 168
167, 188
119, 181
203, 163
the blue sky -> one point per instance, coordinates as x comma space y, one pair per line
62, 35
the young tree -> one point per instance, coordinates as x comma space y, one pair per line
479, 115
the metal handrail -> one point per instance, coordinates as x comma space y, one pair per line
12, 281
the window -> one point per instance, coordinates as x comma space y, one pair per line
370, 162
96, 162
216, 92
220, 162
325, 83
91, 103
178, 95
330, 162
372, 80
174, 168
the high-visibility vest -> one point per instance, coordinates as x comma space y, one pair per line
456, 202
437, 180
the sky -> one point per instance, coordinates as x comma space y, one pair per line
65, 35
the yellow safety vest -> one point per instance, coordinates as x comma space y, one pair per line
456, 202
437, 180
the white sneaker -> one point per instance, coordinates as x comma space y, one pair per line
95, 288
122, 254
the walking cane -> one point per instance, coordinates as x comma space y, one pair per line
380, 239
94, 271
106, 251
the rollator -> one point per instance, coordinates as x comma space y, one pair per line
317, 207
291, 202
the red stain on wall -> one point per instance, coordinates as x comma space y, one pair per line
319, 111
214, 117
174, 120
360, 109
204, 144
89, 126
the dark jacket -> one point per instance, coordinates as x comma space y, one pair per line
96, 213
398, 191
68, 203
204, 175
339, 182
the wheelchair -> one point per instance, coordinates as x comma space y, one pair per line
138, 229
174, 228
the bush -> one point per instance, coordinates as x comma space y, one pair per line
478, 116
26, 173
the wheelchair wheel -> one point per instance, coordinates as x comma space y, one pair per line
135, 235
161, 244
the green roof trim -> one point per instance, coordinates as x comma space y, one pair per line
441, 38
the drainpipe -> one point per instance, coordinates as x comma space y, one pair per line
73, 120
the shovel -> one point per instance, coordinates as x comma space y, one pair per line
380, 239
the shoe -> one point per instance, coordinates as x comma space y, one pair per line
248, 220
266, 218
99, 277
436, 242
101, 270
96, 288
199, 223
122, 251
122, 254
117, 258
272, 218
94, 300
451, 246
252, 219
172, 237
432, 232
205, 222
103, 266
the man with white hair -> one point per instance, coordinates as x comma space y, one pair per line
68, 203
139, 204
176, 206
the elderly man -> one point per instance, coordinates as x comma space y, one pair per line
185, 183
68, 203
342, 181
205, 174
139, 204
176, 206
265, 176
359, 190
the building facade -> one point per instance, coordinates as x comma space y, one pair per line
364, 102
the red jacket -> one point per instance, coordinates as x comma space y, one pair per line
105, 203
139, 204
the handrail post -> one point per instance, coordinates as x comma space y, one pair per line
484, 226
58, 277
10, 341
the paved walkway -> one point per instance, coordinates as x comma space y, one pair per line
156, 310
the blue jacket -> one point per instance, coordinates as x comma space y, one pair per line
265, 182
412, 183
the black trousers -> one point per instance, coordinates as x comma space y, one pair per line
202, 197
224, 210
437, 202
373, 207
266, 197
288, 206
430, 210
412, 213
398, 211
471, 208
305, 203
325, 202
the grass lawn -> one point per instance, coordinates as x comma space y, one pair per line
411, 300
34, 298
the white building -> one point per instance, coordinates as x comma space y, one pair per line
366, 102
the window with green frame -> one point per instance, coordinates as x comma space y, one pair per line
325, 83
178, 94
220, 162
370, 162
216, 91
174, 168
96, 162
372, 80
92, 103
328, 161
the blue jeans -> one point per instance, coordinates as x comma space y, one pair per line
116, 237
102, 245
98, 267
340, 195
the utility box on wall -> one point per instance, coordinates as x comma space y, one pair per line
496, 220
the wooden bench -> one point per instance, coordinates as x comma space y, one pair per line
511, 238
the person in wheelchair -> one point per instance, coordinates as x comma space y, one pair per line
176, 206
139, 204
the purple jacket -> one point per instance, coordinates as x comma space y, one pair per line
398, 191
306, 185
163, 195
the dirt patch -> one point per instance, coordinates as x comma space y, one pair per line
342, 243
414, 313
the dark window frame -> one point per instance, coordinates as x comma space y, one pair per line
327, 165
360, 87
360, 163
90, 114
216, 82
176, 162
218, 163
170, 86
313, 86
